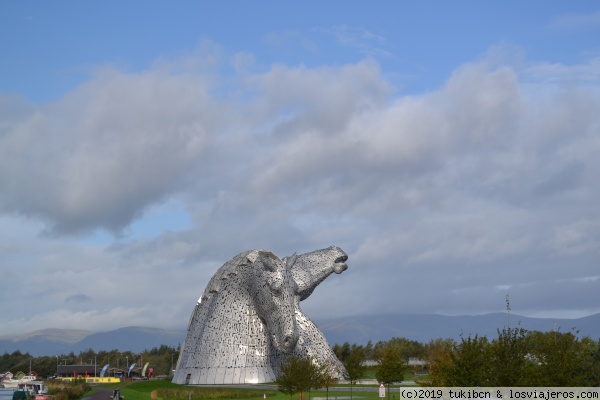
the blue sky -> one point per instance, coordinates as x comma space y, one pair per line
51, 47
450, 148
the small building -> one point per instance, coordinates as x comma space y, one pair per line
77, 371
416, 362
117, 372
7, 375
94, 371
412, 362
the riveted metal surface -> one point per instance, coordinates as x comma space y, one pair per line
248, 320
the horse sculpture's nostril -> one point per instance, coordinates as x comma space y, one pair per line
289, 340
341, 259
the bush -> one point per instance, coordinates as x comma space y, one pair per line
68, 390
210, 393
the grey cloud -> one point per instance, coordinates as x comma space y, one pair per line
485, 185
103, 153
78, 298
568, 177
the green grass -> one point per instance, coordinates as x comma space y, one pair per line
169, 391
409, 376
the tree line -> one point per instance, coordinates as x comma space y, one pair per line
162, 359
516, 357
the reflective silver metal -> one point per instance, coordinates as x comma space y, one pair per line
248, 320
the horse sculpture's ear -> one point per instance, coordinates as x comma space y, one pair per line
268, 260
290, 261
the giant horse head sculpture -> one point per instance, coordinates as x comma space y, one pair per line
248, 321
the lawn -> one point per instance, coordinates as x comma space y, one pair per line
169, 391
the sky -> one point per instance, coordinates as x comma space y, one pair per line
451, 149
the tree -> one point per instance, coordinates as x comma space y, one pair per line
438, 355
354, 365
391, 367
341, 352
560, 359
369, 350
593, 364
378, 350
470, 366
507, 358
328, 376
299, 374
408, 348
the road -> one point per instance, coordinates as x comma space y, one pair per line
374, 388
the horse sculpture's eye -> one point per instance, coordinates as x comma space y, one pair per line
275, 285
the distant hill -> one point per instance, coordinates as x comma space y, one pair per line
55, 335
63, 341
357, 329
424, 327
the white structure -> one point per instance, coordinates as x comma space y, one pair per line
248, 319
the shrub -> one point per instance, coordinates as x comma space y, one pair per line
68, 390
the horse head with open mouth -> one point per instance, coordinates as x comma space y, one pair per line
310, 269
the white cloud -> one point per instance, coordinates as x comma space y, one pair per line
366, 41
587, 73
486, 183
577, 21
106, 151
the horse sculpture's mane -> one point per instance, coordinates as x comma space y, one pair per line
229, 270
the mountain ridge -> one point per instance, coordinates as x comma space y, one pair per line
352, 329
425, 327
61, 335
52, 341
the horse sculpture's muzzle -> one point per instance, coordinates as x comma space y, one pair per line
290, 339
339, 265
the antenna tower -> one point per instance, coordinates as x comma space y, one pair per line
508, 308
